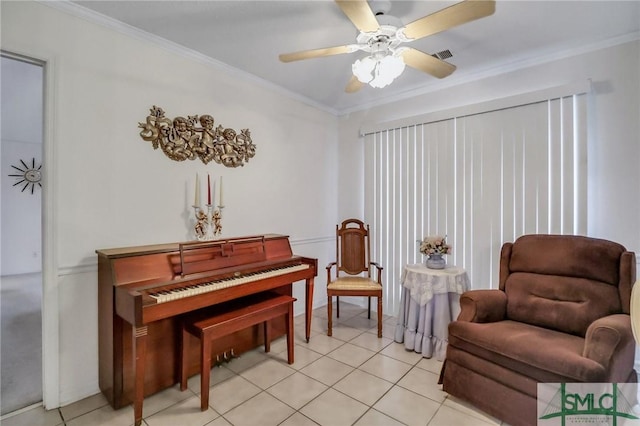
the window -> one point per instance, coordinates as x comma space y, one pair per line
480, 178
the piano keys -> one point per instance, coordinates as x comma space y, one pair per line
142, 291
162, 295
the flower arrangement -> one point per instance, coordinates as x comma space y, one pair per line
434, 245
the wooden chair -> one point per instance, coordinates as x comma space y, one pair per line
353, 270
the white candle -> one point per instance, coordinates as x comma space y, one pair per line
213, 189
221, 203
197, 199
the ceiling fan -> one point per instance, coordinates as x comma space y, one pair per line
382, 36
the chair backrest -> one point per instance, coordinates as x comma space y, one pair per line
352, 247
565, 282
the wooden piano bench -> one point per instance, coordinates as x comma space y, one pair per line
227, 318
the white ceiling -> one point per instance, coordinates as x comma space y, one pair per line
249, 36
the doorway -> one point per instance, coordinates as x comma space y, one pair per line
21, 144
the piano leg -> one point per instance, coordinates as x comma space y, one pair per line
308, 297
139, 355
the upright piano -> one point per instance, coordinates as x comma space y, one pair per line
143, 291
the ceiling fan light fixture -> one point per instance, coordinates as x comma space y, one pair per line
363, 68
379, 70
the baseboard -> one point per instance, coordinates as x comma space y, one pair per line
20, 411
71, 395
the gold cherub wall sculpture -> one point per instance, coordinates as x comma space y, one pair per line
196, 137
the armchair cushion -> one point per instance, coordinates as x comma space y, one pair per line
562, 303
542, 354
563, 255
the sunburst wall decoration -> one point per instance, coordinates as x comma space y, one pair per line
30, 176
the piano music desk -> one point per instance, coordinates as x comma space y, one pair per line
210, 325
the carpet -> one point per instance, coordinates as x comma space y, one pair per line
20, 341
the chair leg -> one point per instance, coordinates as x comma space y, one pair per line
368, 307
289, 320
205, 371
329, 314
184, 359
267, 336
337, 306
380, 316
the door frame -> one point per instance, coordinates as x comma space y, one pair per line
50, 297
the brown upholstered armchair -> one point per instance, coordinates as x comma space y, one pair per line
561, 314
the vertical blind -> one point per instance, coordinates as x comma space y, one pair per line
481, 180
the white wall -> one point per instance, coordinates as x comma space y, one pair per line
21, 139
614, 136
112, 189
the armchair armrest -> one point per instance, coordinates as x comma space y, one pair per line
609, 341
483, 306
329, 266
379, 268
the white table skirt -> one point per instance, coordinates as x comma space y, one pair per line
430, 301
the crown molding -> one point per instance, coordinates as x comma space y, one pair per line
97, 18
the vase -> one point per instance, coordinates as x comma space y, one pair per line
436, 261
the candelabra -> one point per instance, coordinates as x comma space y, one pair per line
209, 224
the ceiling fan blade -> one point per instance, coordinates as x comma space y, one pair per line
354, 85
427, 63
359, 12
316, 53
452, 16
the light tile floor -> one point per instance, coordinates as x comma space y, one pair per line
352, 378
